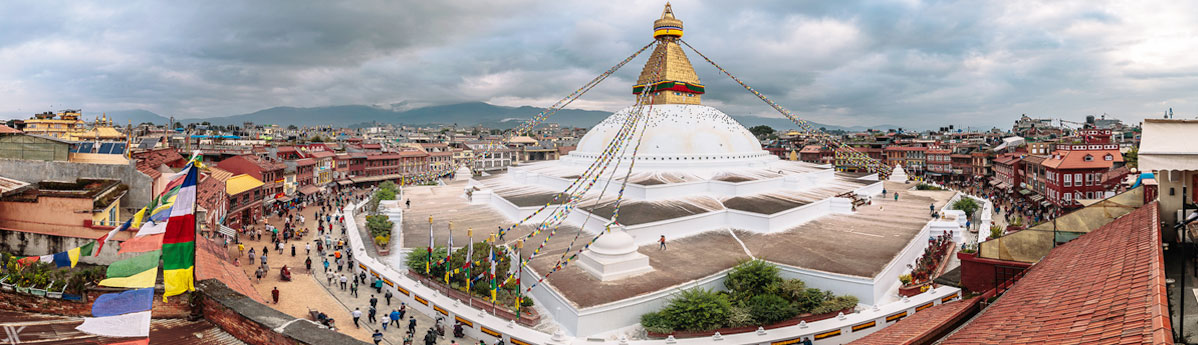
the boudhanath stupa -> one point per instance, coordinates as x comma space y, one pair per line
702, 181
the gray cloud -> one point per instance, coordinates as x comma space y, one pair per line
913, 63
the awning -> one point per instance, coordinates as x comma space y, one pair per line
344, 182
309, 190
227, 231
1003, 185
376, 178
994, 182
1025, 191
1036, 197
1045, 203
284, 199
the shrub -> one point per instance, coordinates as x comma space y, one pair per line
791, 289
382, 241
925, 186
968, 205
996, 231
769, 309
379, 225
905, 279
418, 256
739, 316
809, 299
751, 278
697, 309
656, 322
835, 304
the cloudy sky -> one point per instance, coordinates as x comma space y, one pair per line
913, 63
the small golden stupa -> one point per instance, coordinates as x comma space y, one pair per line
675, 81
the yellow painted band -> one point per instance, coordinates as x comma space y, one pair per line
667, 32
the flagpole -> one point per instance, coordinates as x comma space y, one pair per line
429, 260
519, 271
469, 264
491, 242
449, 254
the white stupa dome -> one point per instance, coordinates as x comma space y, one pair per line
614, 243
677, 135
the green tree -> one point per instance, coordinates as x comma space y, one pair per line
1132, 157
968, 205
751, 278
761, 131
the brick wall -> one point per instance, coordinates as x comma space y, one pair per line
176, 308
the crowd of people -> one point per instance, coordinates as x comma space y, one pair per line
329, 248
1012, 207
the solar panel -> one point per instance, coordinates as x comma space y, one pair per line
118, 148
105, 148
85, 148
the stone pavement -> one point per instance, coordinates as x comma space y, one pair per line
310, 289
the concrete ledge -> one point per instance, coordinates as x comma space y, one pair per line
256, 323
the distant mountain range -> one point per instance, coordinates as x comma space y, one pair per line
462, 114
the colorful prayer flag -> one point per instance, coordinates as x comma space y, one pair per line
137, 272
178, 244
131, 301
124, 325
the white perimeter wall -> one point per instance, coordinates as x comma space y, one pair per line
618, 314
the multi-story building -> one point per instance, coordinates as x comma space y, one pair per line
271, 173
939, 163
1006, 171
245, 200
324, 166
1080, 170
66, 124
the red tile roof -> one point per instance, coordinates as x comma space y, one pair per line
320, 154
9, 130
923, 326
149, 161
305, 161
1077, 159
210, 192
1105, 287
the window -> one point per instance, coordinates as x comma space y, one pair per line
1089, 158
1089, 179
1077, 195
1068, 197
1089, 195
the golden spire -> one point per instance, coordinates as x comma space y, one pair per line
668, 73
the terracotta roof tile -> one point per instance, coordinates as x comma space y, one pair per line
921, 326
1106, 287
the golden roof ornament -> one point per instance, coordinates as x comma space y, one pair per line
668, 73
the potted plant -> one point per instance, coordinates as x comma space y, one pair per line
39, 283
56, 289
8, 282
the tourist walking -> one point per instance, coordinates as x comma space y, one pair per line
293, 250
374, 301
388, 297
662, 242
353, 289
370, 314
274, 294
412, 324
343, 280
357, 314
395, 317
377, 337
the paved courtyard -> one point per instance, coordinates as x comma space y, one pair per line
310, 290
